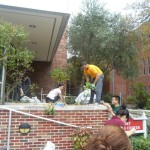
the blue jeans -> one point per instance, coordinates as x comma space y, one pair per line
99, 86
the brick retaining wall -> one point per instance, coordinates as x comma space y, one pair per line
43, 131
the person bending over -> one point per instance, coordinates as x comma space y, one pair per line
96, 75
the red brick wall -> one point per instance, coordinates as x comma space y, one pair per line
60, 58
41, 76
42, 69
120, 85
144, 78
43, 131
123, 86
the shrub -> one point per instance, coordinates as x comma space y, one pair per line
70, 99
130, 99
140, 143
148, 104
80, 138
107, 97
140, 95
148, 126
33, 88
59, 75
49, 109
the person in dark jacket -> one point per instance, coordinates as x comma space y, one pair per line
26, 82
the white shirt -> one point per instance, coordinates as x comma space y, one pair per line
52, 94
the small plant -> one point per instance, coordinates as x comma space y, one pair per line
33, 88
49, 109
89, 85
70, 99
80, 138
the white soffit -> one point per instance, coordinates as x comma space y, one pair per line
45, 28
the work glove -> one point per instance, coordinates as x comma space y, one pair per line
93, 87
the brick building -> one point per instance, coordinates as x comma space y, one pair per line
118, 85
48, 42
47, 39
42, 69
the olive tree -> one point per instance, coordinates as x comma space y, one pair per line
104, 39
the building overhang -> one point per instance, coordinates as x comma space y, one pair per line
45, 28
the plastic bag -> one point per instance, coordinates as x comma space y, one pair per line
30, 100
84, 97
59, 104
50, 146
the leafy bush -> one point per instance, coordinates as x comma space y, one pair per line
140, 143
80, 138
33, 89
89, 85
130, 99
60, 75
140, 96
148, 126
70, 99
107, 97
147, 105
49, 109
13, 54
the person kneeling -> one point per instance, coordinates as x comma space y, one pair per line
55, 94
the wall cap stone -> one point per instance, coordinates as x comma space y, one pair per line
31, 106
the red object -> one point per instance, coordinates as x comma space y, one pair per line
115, 121
137, 124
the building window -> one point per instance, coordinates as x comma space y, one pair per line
142, 70
148, 89
148, 65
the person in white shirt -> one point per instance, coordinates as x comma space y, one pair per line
55, 94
